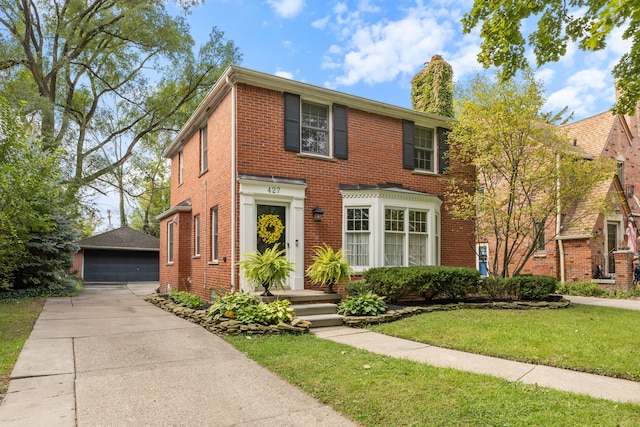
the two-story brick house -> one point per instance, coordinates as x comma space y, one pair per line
265, 159
581, 243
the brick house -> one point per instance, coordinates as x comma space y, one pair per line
584, 244
326, 166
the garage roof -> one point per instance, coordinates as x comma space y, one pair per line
123, 238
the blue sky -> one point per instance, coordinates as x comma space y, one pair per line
372, 48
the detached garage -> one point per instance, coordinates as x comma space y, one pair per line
120, 255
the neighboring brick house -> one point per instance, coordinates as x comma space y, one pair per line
264, 145
587, 244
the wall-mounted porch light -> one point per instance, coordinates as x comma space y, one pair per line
317, 213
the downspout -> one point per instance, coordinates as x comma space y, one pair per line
234, 227
558, 220
204, 249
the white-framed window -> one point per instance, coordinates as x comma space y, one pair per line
196, 235
170, 231
423, 139
204, 150
402, 228
539, 236
314, 129
214, 233
180, 167
357, 236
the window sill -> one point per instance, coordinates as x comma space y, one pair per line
425, 172
214, 262
195, 257
203, 172
169, 263
540, 255
317, 157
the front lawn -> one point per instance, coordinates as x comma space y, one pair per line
600, 340
16, 321
377, 390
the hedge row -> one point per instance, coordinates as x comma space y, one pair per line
398, 283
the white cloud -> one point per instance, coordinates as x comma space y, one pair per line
377, 52
287, 8
320, 24
285, 74
582, 91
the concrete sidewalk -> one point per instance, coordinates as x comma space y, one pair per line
108, 358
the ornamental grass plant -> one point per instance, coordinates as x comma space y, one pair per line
329, 267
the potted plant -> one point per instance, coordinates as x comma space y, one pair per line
329, 267
268, 268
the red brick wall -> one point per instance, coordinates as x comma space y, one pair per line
77, 268
375, 156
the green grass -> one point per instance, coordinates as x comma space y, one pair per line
16, 321
600, 340
378, 390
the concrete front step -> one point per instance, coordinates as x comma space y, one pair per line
323, 320
314, 309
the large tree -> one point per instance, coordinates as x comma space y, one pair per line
75, 61
525, 168
586, 22
36, 215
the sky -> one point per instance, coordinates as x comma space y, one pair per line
373, 48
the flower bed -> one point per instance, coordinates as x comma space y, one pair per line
225, 326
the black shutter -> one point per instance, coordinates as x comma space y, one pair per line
340, 134
443, 150
408, 151
291, 122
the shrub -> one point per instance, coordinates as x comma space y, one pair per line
497, 287
186, 299
247, 309
429, 281
357, 287
230, 304
368, 304
533, 287
583, 289
66, 286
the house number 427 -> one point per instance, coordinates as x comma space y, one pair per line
273, 190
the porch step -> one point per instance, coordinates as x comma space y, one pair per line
320, 314
314, 309
322, 320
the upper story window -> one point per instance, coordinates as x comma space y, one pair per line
315, 129
204, 150
423, 147
214, 233
180, 167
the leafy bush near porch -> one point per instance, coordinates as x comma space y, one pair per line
533, 287
249, 309
357, 287
368, 304
397, 283
186, 299
582, 289
497, 288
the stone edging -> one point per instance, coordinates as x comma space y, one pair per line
226, 326
393, 315
299, 326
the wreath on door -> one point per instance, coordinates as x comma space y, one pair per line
270, 228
